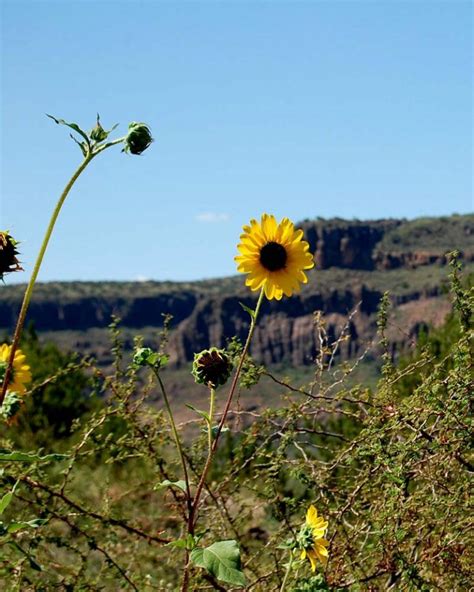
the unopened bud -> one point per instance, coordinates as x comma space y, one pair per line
138, 138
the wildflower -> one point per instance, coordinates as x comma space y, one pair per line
138, 138
20, 375
211, 367
311, 539
274, 256
8, 253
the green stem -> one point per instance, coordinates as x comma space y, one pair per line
287, 573
34, 275
211, 413
44, 245
197, 495
176, 438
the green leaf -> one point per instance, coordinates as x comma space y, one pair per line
199, 412
5, 501
35, 523
167, 483
222, 560
7, 455
249, 310
7, 498
214, 430
73, 126
188, 542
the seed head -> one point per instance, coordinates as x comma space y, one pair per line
8, 253
212, 367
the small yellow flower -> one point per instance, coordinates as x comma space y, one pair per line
311, 539
20, 375
274, 255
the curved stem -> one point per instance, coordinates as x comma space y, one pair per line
176, 438
34, 275
197, 495
287, 573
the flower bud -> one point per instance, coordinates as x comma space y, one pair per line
145, 356
211, 367
138, 138
8, 253
98, 133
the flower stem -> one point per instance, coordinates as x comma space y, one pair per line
176, 438
34, 275
211, 413
197, 495
287, 573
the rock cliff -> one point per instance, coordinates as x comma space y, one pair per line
355, 263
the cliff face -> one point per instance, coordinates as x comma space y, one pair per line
346, 244
355, 263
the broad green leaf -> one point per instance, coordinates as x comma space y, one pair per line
167, 483
222, 560
6, 455
199, 412
247, 309
35, 523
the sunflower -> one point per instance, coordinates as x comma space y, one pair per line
310, 538
274, 255
20, 375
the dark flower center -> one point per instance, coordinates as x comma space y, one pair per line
273, 256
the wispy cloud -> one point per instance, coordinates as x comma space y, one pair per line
212, 217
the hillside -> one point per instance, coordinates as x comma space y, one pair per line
356, 262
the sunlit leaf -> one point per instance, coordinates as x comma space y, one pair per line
222, 560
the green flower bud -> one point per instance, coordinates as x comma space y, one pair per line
212, 367
98, 133
8, 253
145, 356
138, 138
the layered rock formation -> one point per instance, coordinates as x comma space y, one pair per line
350, 257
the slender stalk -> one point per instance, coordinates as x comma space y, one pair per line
34, 275
197, 495
211, 413
93, 151
176, 438
287, 573
213, 443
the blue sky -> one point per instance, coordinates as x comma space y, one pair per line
301, 109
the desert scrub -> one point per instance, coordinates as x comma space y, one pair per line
388, 469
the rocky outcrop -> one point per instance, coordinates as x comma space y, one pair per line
208, 313
346, 244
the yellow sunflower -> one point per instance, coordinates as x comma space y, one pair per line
311, 539
20, 375
274, 255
